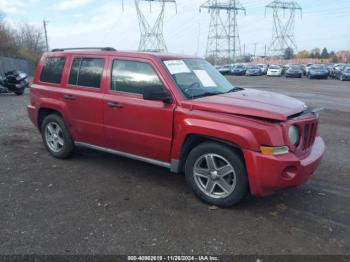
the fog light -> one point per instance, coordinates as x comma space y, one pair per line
280, 150
289, 173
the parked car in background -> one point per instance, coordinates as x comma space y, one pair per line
344, 75
294, 71
264, 68
318, 71
336, 70
238, 70
253, 70
177, 112
225, 70
307, 68
274, 70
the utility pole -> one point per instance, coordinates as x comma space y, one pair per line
255, 49
152, 39
223, 38
283, 28
45, 31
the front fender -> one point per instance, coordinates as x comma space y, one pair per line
239, 136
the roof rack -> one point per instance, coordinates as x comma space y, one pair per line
84, 48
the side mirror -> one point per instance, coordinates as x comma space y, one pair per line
157, 93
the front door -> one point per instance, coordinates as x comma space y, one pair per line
134, 125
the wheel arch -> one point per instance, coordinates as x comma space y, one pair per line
44, 112
193, 140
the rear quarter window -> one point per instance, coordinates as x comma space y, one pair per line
52, 70
86, 72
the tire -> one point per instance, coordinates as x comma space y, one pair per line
234, 180
341, 78
19, 92
61, 139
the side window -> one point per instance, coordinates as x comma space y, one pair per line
86, 72
52, 70
133, 77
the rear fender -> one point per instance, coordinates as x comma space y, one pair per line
61, 108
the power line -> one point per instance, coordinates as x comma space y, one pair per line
152, 39
223, 37
283, 29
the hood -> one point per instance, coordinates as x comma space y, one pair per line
249, 102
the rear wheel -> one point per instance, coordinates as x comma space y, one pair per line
216, 174
56, 137
19, 92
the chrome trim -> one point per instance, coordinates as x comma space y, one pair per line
132, 156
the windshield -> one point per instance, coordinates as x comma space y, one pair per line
197, 78
274, 67
294, 67
253, 67
317, 67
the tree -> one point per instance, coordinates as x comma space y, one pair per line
324, 53
303, 54
289, 53
25, 42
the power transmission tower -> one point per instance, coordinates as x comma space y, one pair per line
152, 39
46, 37
283, 26
223, 38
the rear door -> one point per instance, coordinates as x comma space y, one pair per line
134, 125
84, 98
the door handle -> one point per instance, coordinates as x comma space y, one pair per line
69, 97
114, 105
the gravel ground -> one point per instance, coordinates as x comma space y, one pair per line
96, 203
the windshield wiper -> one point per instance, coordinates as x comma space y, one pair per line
235, 89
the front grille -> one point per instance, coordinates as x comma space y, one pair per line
309, 134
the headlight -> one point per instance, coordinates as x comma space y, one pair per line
294, 135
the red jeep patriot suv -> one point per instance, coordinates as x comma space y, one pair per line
177, 112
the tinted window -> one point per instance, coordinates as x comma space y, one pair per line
73, 76
52, 70
133, 77
86, 72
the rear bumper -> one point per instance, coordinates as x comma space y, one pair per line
32, 114
267, 174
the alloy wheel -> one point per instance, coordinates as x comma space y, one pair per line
54, 137
214, 176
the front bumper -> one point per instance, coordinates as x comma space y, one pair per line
274, 74
318, 76
294, 75
267, 173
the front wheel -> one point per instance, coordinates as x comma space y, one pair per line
56, 137
216, 174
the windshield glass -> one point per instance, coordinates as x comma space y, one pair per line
254, 67
197, 78
274, 67
294, 67
317, 67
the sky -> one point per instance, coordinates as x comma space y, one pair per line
79, 23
